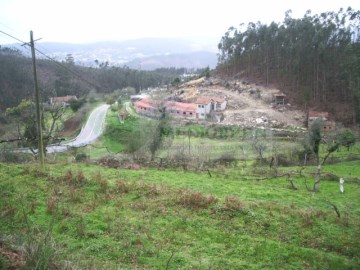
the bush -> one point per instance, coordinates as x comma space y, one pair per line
283, 160
225, 159
76, 104
233, 203
193, 199
12, 157
81, 157
71, 179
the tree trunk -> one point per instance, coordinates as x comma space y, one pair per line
317, 178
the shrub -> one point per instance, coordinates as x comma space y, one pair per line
225, 159
76, 104
12, 157
39, 250
283, 160
74, 180
52, 205
103, 186
193, 199
121, 187
330, 177
81, 157
233, 203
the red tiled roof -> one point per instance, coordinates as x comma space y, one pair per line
179, 106
146, 103
318, 114
207, 100
63, 99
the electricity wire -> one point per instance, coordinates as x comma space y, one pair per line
53, 60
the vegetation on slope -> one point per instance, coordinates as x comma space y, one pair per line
78, 216
314, 59
66, 78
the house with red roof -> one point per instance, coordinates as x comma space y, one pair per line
328, 125
147, 107
198, 110
180, 109
63, 101
207, 105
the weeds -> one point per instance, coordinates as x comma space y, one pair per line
122, 187
75, 195
152, 212
80, 227
76, 180
191, 199
52, 205
103, 186
233, 203
39, 250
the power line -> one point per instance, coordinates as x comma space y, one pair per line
53, 60
12, 37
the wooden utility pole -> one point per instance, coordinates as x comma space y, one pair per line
37, 101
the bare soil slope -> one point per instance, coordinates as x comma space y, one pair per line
248, 105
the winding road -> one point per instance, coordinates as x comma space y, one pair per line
89, 133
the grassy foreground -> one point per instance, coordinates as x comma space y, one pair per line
83, 216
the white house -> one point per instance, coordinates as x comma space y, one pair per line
207, 105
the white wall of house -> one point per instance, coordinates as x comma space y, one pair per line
202, 110
220, 106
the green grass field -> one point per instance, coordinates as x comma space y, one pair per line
170, 219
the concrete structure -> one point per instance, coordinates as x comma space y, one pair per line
147, 107
207, 105
180, 109
328, 125
201, 109
279, 98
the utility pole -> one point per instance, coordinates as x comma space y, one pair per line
37, 101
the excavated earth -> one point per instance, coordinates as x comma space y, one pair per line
249, 105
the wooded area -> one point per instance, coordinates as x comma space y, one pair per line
314, 59
66, 78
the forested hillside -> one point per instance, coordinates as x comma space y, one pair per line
66, 78
315, 60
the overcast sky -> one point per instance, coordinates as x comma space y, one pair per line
82, 21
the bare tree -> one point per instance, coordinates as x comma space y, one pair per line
315, 140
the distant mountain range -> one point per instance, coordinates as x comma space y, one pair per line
146, 53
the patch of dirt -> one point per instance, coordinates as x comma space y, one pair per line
14, 259
249, 105
70, 126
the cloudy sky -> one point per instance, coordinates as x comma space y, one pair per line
82, 21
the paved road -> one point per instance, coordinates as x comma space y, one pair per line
89, 133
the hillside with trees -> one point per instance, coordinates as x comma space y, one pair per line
66, 78
315, 60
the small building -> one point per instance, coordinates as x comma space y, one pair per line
279, 98
147, 107
203, 107
328, 125
181, 109
63, 101
207, 105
